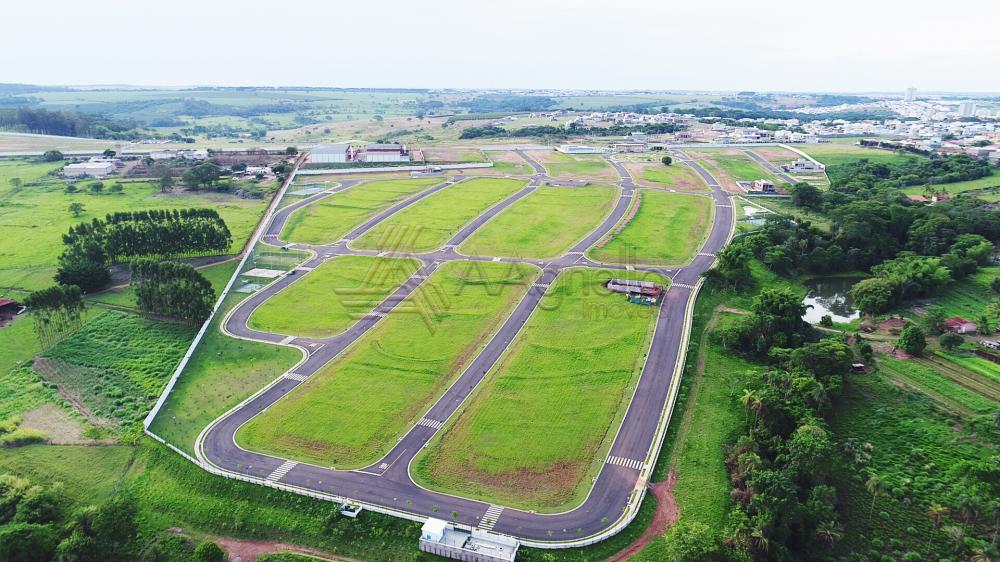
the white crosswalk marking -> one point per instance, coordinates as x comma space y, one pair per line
287, 340
490, 517
303, 268
282, 470
427, 422
295, 376
682, 285
627, 463
706, 254
377, 314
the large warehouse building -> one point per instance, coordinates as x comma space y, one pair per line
376, 152
339, 153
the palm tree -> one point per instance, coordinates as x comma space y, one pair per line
830, 532
937, 513
876, 487
956, 534
758, 540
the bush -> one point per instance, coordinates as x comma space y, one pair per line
208, 551
912, 340
950, 341
826, 321
22, 436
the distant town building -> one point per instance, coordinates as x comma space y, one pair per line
910, 94
443, 539
580, 149
804, 166
628, 147
967, 109
89, 169
339, 153
376, 152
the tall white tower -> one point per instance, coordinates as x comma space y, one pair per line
911, 92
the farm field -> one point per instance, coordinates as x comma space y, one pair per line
667, 228
36, 217
983, 367
393, 372
577, 166
544, 224
330, 218
431, 222
333, 296
943, 387
519, 441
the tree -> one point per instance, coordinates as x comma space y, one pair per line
108, 153
667, 160
876, 486
105, 533
85, 265
995, 284
52, 156
935, 320
15, 182
172, 289
27, 542
912, 340
76, 208
873, 296
97, 187
829, 532
117, 187
732, 268
208, 551
984, 325
71, 188
164, 177
291, 150
206, 174
826, 321
806, 195
950, 341
56, 311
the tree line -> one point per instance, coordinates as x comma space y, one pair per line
64, 123
564, 132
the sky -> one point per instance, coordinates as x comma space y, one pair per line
764, 45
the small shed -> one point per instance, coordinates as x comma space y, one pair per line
959, 325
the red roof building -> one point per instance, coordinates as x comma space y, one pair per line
959, 325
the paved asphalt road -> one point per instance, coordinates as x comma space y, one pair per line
770, 167
386, 482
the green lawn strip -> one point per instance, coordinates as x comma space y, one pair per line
984, 386
222, 373
35, 219
578, 165
513, 169
349, 413
992, 180
173, 492
88, 474
520, 441
26, 170
431, 222
218, 275
330, 298
914, 448
668, 229
118, 362
544, 224
983, 367
330, 218
937, 386
784, 207
738, 167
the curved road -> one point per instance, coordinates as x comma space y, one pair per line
386, 483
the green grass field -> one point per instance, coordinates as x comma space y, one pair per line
740, 168
587, 166
938, 387
969, 298
668, 228
670, 175
104, 468
431, 222
333, 296
841, 153
350, 412
117, 363
330, 218
992, 180
784, 207
222, 372
987, 369
544, 224
520, 441
218, 275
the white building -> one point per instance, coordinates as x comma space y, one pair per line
89, 169
967, 109
804, 166
580, 149
910, 94
376, 152
443, 539
338, 153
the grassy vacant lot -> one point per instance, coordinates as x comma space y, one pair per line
969, 297
731, 165
841, 153
117, 363
673, 176
579, 166
668, 228
330, 218
430, 223
33, 220
509, 162
544, 224
350, 412
333, 296
222, 372
521, 441
992, 180
785, 207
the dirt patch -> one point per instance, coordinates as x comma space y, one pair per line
57, 424
248, 551
666, 515
776, 154
49, 369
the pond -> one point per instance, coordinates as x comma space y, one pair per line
830, 295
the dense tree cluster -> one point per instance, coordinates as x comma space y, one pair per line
65, 123
775, 321
172, 289
56, 311
563, 132
91, 246
866, 175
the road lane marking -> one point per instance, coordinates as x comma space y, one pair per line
433, 424
281, 471
296, 377
490, 517
627, 463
